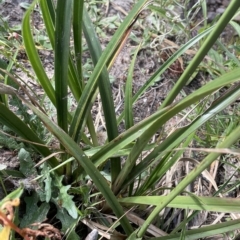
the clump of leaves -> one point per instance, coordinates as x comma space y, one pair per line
113, 197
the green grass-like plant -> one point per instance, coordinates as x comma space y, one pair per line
115, 191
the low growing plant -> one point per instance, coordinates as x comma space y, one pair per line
74, 178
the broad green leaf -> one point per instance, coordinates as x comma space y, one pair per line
26, 163
64, 198
68, 224
67, 201
35, 213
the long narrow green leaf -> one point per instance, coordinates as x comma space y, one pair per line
120, 153
104, 88
73, 149
214, 204
75, 82
164, 165
51, 9
3, 65
128, 104
33, 55
8, 80
228, 53
48, 18
13, 195
77, 34
80, 13
62, 40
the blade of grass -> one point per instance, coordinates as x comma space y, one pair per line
104, 88
49, 15
78, 15
120, 142
75, 79
122, 152
51, 9
61, 59
33, 55
228, 53
7, 80
214, 204
77, 34
165, 164
62, 40
128, 104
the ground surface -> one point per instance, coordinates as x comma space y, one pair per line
149, 59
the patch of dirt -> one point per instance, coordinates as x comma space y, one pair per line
13, 11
